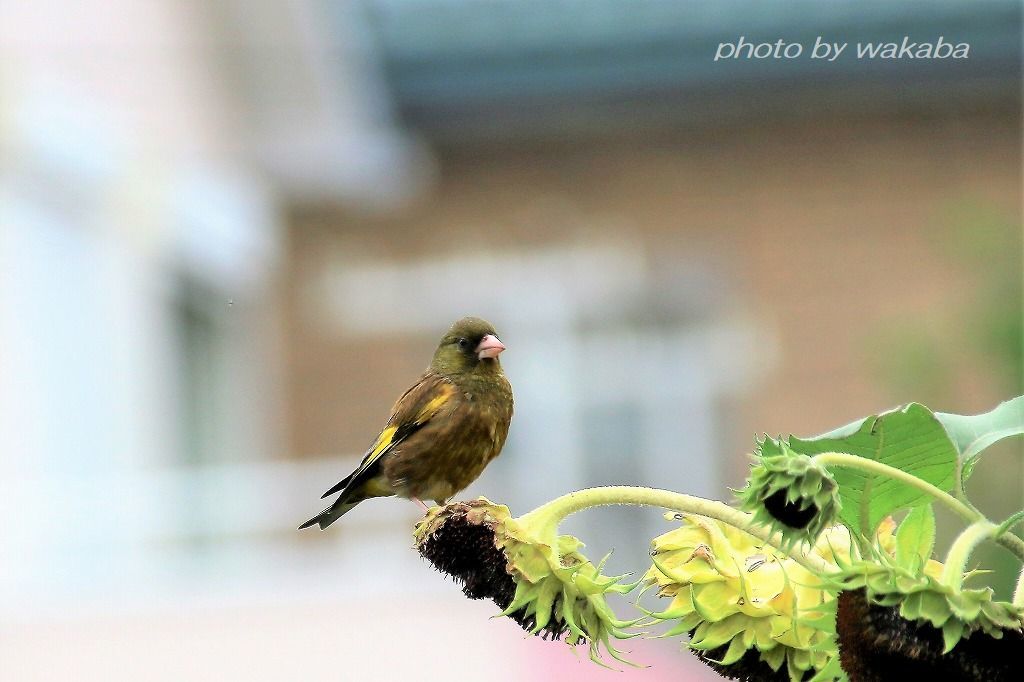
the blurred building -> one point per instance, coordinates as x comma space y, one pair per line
680, 253
231, 233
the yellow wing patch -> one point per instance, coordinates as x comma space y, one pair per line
398, 429
383, 441
435, 404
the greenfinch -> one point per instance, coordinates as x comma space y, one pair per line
442, 432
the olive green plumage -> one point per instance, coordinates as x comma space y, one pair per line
442, 432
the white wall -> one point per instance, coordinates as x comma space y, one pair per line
120, 179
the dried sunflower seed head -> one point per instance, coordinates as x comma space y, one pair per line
459, 540
877, 643
922, 599
551, 591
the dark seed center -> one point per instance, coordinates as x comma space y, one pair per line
789, 513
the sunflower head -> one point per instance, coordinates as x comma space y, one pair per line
750, 610
943, 616
459, 540
792, 493
550, 589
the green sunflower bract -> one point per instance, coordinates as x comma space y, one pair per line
744, 603
922, 597
792, 493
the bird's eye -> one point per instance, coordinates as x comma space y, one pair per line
463, 343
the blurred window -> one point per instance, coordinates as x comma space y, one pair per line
203, 373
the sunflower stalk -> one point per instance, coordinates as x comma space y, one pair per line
960, 552
1018, 592
549, 516
1008, 540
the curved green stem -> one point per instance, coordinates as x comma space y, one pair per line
960, 489
1018, 594
961, 549
547, 517
875, 467
964, 511
958, 484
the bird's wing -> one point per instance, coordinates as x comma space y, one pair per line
414, 409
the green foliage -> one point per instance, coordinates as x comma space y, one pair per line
972, 434
910, 439
915, 538
931, 448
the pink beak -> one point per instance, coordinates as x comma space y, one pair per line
490, 347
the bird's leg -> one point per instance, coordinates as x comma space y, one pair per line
420, 503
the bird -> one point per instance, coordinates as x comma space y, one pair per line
442, 432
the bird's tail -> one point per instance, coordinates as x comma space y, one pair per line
331, 514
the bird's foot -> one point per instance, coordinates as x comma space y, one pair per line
420, 503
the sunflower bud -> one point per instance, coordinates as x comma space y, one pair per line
793, 493
749, 609
550, 591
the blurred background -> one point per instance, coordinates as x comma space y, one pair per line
231, 234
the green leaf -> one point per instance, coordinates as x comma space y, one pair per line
973, 433
1009, 523
908, 438
915, 537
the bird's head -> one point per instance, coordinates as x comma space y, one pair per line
470, 344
